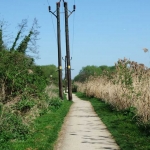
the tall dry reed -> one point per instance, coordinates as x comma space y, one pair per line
128, 86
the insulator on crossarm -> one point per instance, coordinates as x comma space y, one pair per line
58, 4
49, 8
74, 7
65, 3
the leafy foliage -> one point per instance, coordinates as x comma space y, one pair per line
11, 126
1, 40
22, 84
29, 40
55, 103
23, 45
19, 76
24, 105
22, 26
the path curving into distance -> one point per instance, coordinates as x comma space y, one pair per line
83, 130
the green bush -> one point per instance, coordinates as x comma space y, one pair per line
11, 127
74, 88
24, 105
16, 78
55, 103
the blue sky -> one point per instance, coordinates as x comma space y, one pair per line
100, 31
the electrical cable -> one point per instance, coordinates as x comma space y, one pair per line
48, 2
52, 22
53, 27
73, 31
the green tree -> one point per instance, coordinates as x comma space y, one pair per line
86, 72
31, 37
2, 23
22, 26
1, 40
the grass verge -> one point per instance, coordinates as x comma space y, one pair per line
125, 130
46, 129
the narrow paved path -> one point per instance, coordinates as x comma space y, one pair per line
83, 130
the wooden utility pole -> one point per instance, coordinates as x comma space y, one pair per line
59, 51
65, 73
68, 52
59, 48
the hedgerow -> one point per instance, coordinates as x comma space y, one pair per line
22, 85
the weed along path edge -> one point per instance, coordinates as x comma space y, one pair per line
83, 129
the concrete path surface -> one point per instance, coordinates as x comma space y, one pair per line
83, 130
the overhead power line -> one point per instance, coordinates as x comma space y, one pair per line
48, 2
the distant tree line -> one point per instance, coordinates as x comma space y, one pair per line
51, 73
88, 71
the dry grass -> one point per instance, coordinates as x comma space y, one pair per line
128, 86
50, 91
31, 114
29, 117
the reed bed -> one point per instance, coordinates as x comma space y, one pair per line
127, 87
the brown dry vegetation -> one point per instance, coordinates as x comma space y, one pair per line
31, 114
127, 87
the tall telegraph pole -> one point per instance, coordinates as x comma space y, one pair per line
59, 47
59, 51
68, 52
65, 73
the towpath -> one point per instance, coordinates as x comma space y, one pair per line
83, 130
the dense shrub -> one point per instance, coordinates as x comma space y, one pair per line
19, 76
11, 126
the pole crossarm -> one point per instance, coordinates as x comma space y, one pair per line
49, 8
62, 0
71, 12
